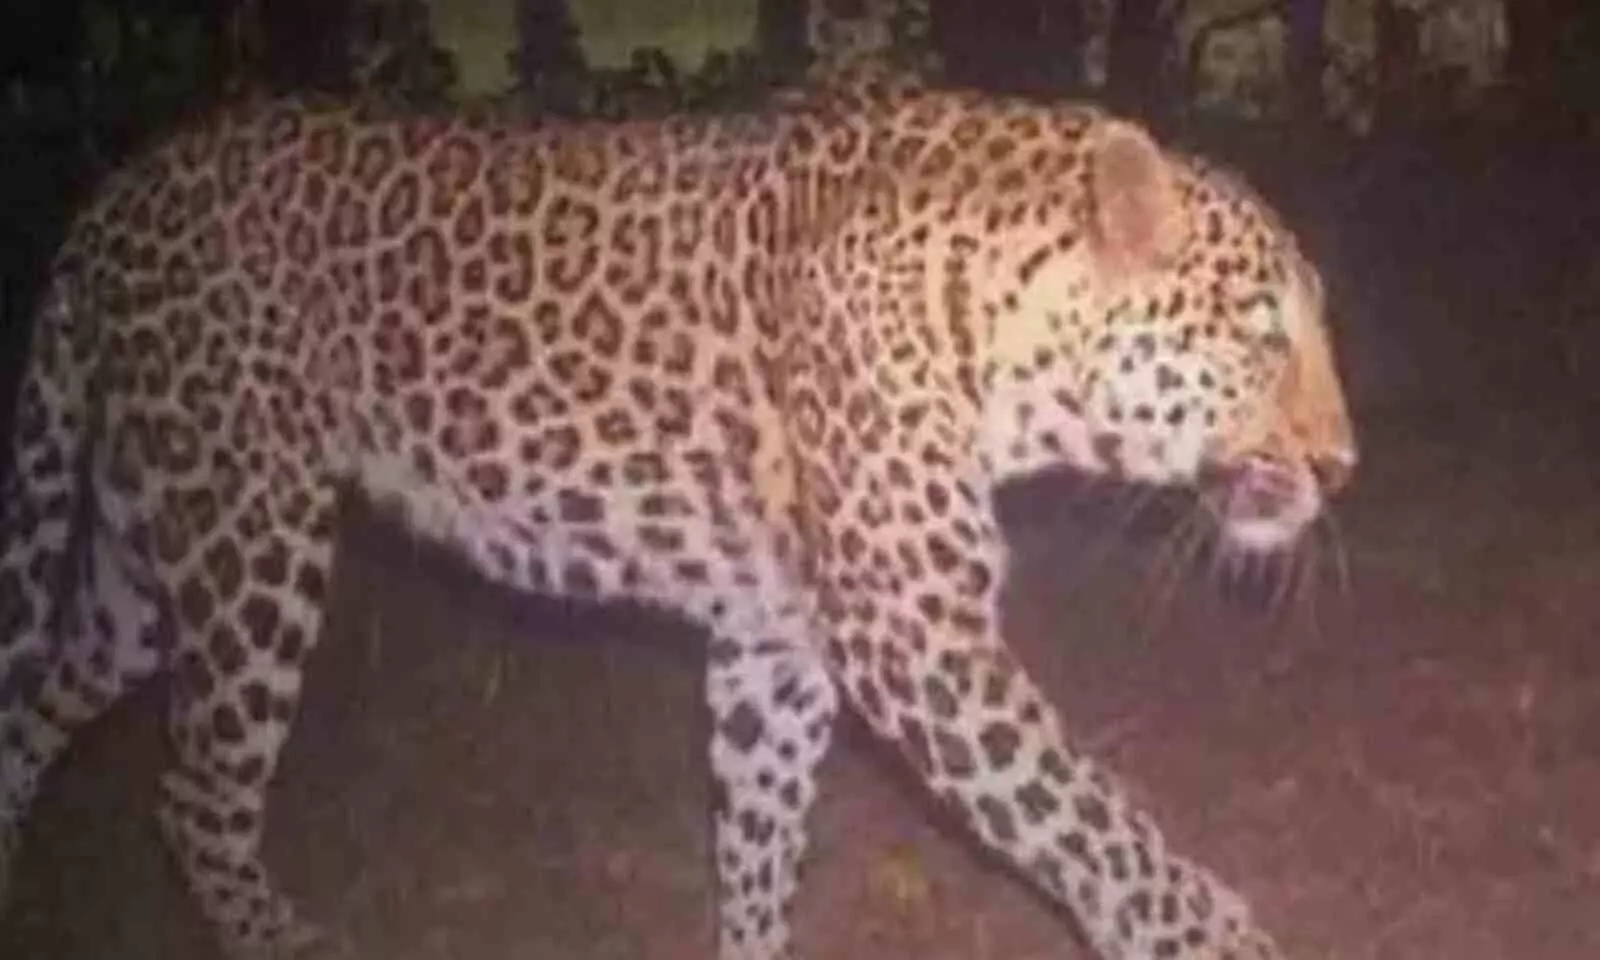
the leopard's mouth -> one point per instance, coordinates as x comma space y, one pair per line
1261, 503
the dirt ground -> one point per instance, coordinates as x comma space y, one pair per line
1406, 764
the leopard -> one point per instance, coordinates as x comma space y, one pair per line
765, 371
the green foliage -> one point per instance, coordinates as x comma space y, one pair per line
139, 64
142, 64
1576, 59
557, 76
392, 54
911, 46
651, 85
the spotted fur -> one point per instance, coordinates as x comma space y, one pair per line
767, 371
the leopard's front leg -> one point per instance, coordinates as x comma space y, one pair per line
913, 616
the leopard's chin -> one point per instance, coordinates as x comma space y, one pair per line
1262, 505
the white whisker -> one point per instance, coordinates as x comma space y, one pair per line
1182, 546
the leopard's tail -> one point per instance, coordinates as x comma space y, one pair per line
45, 498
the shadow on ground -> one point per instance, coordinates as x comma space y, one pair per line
1403, 767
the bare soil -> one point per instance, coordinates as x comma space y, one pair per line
1403, 763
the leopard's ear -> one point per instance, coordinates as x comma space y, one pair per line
1138, 222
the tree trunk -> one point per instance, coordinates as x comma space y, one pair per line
1138, 39
1015, 46
1537, 63
781, 36
1399, 53
1307, 57
304, 43
1535, 28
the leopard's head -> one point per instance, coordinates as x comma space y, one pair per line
1164, 327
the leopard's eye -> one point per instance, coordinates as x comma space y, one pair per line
1275, 339
1261, 322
